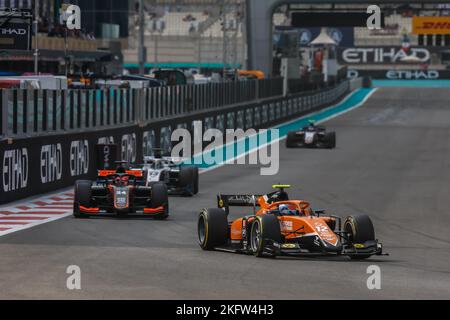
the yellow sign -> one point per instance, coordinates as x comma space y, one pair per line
431, 25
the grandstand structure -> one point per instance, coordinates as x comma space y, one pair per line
206, 33
212, 33
190, 33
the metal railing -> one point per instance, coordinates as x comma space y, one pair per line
46, 112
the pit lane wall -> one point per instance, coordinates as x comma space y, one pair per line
39, 162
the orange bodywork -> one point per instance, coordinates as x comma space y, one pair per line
291, 226
89, 210
105, 173
154, 210
256, 74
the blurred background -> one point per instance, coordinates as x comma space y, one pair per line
207, 41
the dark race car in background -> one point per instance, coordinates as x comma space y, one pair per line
122, 193
311, 136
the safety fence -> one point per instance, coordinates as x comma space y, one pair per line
40, 112
42, 163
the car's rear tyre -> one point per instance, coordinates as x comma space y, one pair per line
266, 227
331, 140
83, 197
160, 198
196, 179
360, 230
187, 180
291, 140
212, 228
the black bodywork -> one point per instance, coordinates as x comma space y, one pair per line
120, 193
105, 190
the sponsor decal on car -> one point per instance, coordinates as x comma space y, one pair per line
287, 225
325, 233
289, 246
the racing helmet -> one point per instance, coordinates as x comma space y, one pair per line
283, 208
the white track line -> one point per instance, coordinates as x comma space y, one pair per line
34, 211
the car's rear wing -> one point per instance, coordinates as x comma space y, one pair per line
227, 201
106, 173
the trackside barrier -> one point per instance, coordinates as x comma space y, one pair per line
40, 112
57, 147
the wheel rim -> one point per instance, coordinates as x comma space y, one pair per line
349, 230
201, 230
255, 237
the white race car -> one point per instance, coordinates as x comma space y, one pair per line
179, 179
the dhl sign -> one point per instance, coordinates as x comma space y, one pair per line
431, 25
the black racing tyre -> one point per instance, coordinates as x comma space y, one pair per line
186, 177
160, 197
291, 140
266, 227
196, 179
331, 140
83, 197
212, 228
360, 230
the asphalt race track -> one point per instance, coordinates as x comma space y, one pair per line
392, 162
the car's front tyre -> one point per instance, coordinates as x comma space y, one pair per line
266, 227
160, 198
359, 230
330, 139
83, 197
212, 228
291, 140
187, 180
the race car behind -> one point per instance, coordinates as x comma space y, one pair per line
180, 179
311, 136
122, 193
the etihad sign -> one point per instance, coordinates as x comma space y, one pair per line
382, 55
431, 25
10, 31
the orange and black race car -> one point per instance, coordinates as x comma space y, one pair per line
279, 226
120, 192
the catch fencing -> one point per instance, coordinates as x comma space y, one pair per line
27, 113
